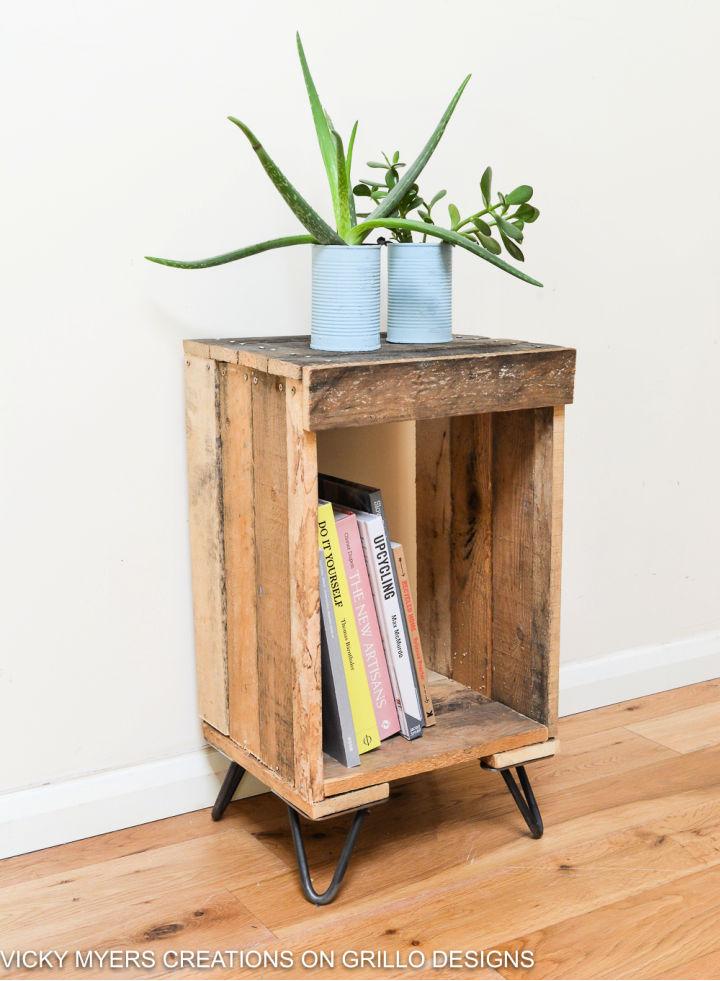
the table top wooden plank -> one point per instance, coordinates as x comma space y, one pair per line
295, 351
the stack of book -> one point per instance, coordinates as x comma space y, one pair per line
373, 674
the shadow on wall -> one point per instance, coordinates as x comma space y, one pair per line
383, 456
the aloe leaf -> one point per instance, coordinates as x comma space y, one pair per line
344, 219
220, 260
446, 235
390, 203
323, 128
349, 154
294, 200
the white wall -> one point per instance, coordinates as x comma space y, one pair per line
116, 145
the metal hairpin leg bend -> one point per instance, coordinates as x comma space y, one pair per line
525, 799
229, 785
323, 898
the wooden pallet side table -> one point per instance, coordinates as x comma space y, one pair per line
488, 480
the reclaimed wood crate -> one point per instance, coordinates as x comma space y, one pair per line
488, 472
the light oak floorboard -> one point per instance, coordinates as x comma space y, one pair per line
55, 910
104, 848
624, 940
186, 919
639, 709
685, 732
626, 881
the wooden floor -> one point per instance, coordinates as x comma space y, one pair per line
625, 883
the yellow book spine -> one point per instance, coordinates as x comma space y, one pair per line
361, 707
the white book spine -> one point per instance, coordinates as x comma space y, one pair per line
388, 601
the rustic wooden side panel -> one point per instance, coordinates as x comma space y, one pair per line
239, 535
272, 572
558, 474
367, 394
523, 645
304, 599
471, 550
432, 493
202, 397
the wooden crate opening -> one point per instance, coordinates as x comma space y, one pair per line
467, 498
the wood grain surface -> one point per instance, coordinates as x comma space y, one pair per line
406, 381
302, 476
433, 509
524, 593
468, 726
272, 570
207, 540
404, 389
625, 883
279, 354
471, 551
238, 492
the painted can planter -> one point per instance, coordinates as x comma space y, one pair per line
419, 292
345, 298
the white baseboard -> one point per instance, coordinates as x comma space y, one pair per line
57, 813
641, 671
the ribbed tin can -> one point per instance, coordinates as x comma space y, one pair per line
419, 292
345, 298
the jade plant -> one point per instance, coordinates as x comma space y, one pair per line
391, 211
478, 226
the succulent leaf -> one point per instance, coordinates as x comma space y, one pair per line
520, 195
486, 186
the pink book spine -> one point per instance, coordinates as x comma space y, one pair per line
368, 629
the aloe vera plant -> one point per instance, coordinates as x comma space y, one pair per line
391, 210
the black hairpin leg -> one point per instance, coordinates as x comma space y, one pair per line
227, 791
527, 805
323, 898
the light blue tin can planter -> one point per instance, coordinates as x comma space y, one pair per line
345, 298
419, 292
